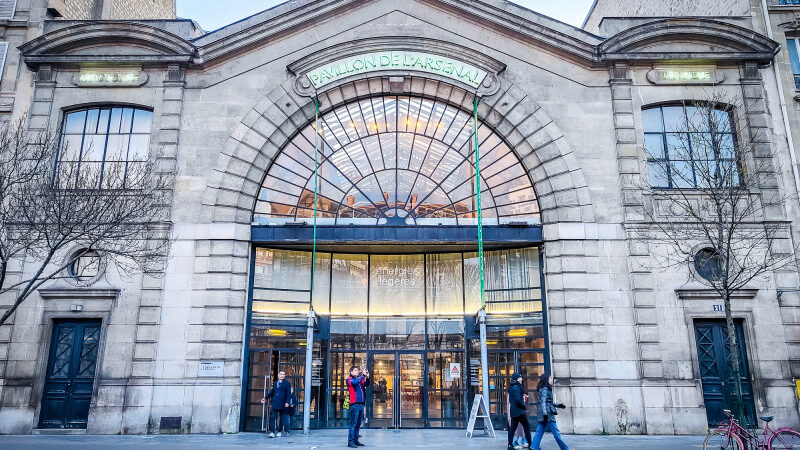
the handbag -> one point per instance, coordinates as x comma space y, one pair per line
346, 403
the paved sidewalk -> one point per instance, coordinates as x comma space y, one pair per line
336, 439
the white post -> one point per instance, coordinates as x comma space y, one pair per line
307, 382
484, 359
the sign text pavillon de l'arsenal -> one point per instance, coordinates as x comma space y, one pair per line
396, 60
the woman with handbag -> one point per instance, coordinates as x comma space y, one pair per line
546, 415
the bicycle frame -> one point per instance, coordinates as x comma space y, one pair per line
734, 431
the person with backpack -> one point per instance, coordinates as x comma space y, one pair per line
546, 416
518, 414
356, 387
280, 393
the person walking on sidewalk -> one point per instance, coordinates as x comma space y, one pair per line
517, 402
546, 416
356, 385
280, 394
519, 433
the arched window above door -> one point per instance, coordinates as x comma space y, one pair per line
400, 161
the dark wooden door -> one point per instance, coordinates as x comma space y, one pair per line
719, 390
70, 374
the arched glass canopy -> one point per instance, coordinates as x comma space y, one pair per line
399, 161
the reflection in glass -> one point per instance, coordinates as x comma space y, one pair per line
340, 364
445, 287
404, 158
513, 280
348, 334
349, 284
435, 285
446, 391
397, 333
446, 333
281, 281
399, 280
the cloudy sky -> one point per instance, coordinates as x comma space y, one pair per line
211, 16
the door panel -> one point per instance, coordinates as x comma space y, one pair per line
383, 392
397, 390
412, 385
70, 374
714, 363
264, 365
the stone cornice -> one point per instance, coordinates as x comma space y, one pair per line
639, 43
710, 294
634, 43
78, 293
58, 47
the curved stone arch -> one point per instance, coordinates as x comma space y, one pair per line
558, 179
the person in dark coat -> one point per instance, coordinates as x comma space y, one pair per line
280, 394
517, 409
546, 415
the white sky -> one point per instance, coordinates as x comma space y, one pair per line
210, 15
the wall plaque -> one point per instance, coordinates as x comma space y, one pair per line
685, 75
110, 77
210, 369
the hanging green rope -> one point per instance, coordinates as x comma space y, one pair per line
478, 202
316, 189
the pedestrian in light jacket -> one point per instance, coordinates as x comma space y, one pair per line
357, 388
517, 402
546, 415
280, 394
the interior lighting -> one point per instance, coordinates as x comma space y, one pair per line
518, 332
276, 332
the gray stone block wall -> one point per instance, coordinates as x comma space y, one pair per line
119, 9
666, 8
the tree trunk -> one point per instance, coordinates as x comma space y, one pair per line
735, 374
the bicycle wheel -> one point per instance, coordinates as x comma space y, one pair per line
784, 440
719, 440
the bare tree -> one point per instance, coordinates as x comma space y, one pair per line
716, 207
58, 218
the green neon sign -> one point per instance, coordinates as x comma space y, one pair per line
396, 60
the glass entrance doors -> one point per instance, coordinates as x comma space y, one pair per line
264, 366
398, 390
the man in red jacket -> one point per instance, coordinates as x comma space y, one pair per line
356, 385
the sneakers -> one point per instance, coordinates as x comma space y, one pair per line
279, 434
351, 445
272, 435
359, 444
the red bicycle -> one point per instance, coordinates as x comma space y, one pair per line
731, 436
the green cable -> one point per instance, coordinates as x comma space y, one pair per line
478, 204
316, 170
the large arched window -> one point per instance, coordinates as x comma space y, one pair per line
101, 146
397, 160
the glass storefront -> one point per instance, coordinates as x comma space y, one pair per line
409, 318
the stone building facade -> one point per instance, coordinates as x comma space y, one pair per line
570, 288
119, 9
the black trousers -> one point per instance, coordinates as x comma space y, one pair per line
515, 421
